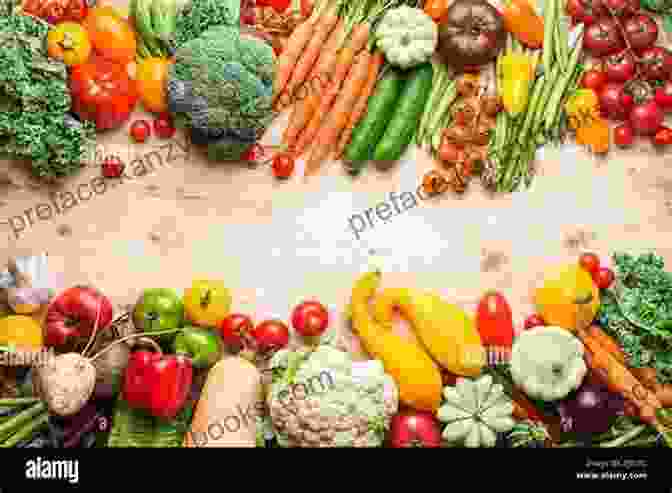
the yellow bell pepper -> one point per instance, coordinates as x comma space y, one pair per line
517, 72
582, 108
69, 42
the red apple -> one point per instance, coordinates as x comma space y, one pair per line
72, 314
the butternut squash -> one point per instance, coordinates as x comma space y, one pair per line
225, 415
417, 376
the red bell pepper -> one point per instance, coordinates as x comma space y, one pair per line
157, 383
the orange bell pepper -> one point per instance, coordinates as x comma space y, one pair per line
524, 23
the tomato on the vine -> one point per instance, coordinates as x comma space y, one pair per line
283, 165
590, 262
604, 277
310, 318
594, 79
271, 335
234, 328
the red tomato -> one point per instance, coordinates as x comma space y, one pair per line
283, 165
603, 278
113, 167
594, 79
590, 262
663, 136
623, 136
163, 127
664, 96
310, 319
140, 130
254, 154
102, 92
271, 335
234, 327
534, 321
494, 320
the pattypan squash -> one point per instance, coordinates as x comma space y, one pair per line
407, 36
547, 363
475, 411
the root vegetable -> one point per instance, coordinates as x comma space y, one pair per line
65, 383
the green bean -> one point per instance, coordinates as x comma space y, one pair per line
443, 106
440, 73
563, 31
563, 83
542, 106
559, 59
20, 401
27, 431
21, 418
550, 11
532, 107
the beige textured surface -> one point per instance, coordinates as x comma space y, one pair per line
275, 243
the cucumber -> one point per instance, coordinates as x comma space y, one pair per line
409, 108
371, 127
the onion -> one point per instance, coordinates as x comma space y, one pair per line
591, 410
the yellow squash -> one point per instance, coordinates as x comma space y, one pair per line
447, 332
21, 331
517, 72
417, 376
559, 298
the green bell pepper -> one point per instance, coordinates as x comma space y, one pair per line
202, 345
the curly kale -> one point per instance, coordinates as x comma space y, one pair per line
35, 101
200, 15
220, 88
637, 312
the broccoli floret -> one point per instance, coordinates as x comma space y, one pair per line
221, 86
200, 15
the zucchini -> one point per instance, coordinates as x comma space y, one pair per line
371, 127
409, 108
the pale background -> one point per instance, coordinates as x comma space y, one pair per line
276, 243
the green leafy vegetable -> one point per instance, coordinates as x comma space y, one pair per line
638, 310
200, 15
35, 101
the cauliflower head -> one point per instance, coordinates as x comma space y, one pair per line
322, 398
220, 87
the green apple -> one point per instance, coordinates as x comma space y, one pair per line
203, 346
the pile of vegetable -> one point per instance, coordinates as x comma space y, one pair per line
590, 369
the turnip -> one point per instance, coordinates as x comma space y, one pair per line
65, 383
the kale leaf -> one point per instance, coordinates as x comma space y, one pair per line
637, 312
35, 124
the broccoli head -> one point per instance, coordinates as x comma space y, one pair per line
220, 87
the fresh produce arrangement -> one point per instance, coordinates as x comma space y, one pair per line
479, 86
591, 368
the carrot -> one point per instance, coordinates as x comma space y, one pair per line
608, 343
309, 133
619, 379
331, 47
360, 108
290, 56
337, 118
355, 44
321, 32
307, 105
664, 395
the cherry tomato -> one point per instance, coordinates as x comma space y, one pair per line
594, 79
590, 262
283, 165
603, 278
254, 154
664, 96
140, 130
494, 320
271, 335
310, 319
663, 136
163, 127
623, 136
112, 167
534, 321
234, 327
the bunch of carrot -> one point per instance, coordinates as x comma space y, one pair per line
331, 53
607, 360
